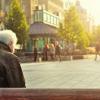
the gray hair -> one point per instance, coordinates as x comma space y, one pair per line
7, 36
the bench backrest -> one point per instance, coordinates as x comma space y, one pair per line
49, 94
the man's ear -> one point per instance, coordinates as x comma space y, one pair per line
10, 44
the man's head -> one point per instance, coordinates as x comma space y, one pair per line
9, 38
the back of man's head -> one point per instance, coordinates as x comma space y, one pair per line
9, 38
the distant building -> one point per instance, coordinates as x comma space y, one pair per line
3, 9
43, 30
28, 7
45, 20
4, 4
52, 6
84, 16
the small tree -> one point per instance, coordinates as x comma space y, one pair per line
71, 29
16, 21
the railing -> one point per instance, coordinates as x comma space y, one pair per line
49, 94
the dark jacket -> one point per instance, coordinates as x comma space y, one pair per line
97, 47
35, 51
11, 75
57, 50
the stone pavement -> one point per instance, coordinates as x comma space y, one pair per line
67, 74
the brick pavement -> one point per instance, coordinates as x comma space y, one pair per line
66, 74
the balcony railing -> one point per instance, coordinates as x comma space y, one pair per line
46, 17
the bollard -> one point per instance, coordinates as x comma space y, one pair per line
40, 59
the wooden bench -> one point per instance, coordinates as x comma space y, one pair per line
49, 94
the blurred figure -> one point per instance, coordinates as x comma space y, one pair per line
45, 52
11, 74
58, 51
97, 50
35, 54
52, 51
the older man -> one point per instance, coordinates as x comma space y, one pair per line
11, 75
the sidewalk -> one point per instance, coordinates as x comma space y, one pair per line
64, 58
66, 74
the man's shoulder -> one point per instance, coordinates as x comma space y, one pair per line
6, 54
8, 59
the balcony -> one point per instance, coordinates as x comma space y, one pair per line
45, 17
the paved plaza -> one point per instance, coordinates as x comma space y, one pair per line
65, 74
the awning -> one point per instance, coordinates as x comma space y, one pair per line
42, 29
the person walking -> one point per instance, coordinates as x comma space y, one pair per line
35, 54
58, 51
11, 75
46, 52
52, 51
97, 50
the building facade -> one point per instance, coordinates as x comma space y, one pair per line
87, 21
4, 5
46, 16
52, 6
44, 29
27, 6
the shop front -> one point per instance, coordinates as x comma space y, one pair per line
40, 35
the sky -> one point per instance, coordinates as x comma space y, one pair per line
92, 7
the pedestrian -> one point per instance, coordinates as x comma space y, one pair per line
35, 54
58, 51
11, 75
46, 52
52, 51
97, 50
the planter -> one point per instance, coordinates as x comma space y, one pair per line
78, 57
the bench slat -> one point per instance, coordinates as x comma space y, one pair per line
49, 94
